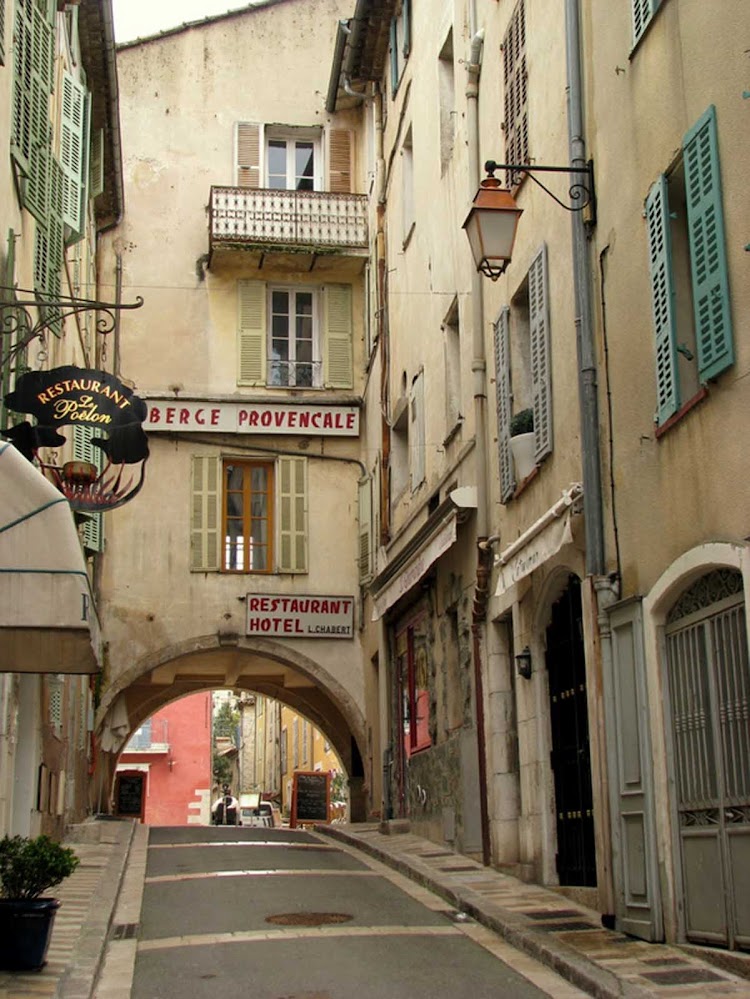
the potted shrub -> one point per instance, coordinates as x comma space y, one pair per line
29, 867
523, 443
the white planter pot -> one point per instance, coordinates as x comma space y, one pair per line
522, 448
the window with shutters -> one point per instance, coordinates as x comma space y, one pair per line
294, 336
249, 515
74, 152
447, 98
515, 80
85, 450
400, 45
688, 273
643, 14
293, 158
522, 369
366, 529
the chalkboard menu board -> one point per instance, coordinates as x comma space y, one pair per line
129, 795
311, 797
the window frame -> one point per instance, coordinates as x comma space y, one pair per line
248, 494
290, 136
316, 361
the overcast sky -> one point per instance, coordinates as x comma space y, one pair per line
137, 18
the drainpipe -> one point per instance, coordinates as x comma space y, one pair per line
587, 385
479, 382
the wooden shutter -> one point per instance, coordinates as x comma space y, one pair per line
541, 387
643, 11
340, 161
394, 58
84, 450
501, 333
20, 140
248, 148
205, 514
662, 299
74, 144
365, 529
416, 431
337, 322
292, 480
406, 25
708, 265
515, 86
96, 171
251, 333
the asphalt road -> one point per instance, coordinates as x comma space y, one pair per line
283, 914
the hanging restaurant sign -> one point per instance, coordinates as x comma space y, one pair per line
72, 396
296, 616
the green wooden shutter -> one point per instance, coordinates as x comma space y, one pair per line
501, 333
406, 22
247, 149
708, 265
20, 140
74, 141
251, 334
643, 11
84, 450
337, 320
205, 515
292, 490
365, 529
662, 300
394, 57
541, 388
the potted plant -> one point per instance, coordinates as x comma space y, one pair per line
29, 866
523, 443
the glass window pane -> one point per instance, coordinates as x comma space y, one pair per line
304, 378
304, 166
280, 302
259, 478
277, 164
304, 303
234, 476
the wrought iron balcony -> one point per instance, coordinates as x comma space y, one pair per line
307, 221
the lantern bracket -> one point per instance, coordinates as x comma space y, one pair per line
581, 192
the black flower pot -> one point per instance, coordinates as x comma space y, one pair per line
25, 931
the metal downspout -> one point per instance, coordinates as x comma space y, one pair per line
479, 383
587, 382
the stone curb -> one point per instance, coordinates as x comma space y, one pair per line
572, 966
80, 977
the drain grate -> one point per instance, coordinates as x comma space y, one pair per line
688, 976
568, 927
124, 931
547, 914
451, 870
308, 918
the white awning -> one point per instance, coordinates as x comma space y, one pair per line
415, 568
47, 615
539, 543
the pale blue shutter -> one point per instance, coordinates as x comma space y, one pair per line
662, 300
708, 265
406, 24
541, 388
394, 57
84, 450
501, 333
643, 11
251, 333
292, 500
74, 143
205, 514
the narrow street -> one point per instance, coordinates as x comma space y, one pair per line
285, 914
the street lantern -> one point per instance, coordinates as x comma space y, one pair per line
491, 227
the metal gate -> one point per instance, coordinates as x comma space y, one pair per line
709, 685
566, 665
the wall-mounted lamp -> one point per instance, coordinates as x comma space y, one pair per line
493, 218
523, 663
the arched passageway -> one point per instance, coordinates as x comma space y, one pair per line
244, 664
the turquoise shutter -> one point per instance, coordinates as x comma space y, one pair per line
406, 22
708, 265
96, 169
337, 320
292, 490
643, 11
501, 333
394, 57
662, 300
74, 140
84, 450
205, 514
541, 388
251, 333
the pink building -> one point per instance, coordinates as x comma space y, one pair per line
171, 752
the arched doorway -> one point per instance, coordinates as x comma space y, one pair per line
570, 756
708, 679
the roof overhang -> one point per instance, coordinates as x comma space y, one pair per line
360, 51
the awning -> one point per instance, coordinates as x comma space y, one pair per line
48, 621
415, 568
539, 543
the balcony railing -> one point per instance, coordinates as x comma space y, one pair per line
305, 219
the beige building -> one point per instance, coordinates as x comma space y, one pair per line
61, 184
247, 237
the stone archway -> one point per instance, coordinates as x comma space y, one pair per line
244, 663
